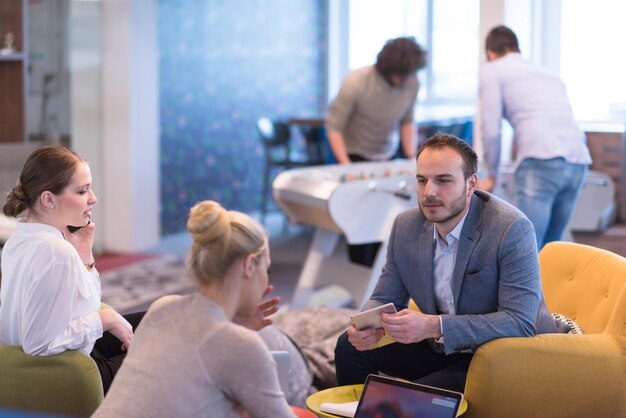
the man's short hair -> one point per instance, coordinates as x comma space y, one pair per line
400, 56
441, 140
501, 40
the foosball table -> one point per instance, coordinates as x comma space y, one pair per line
356, 203
359, 202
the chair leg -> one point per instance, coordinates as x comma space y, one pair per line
285, 224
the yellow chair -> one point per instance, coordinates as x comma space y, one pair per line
68, 383
561, 375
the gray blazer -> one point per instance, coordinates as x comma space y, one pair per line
495, 282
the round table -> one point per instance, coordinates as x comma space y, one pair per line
342, 394
301, 412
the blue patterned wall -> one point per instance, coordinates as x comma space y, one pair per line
222, 65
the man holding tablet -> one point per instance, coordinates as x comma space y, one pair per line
469, 262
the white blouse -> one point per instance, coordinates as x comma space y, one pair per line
49, 301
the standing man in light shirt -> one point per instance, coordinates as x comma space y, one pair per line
375, 102
551, 156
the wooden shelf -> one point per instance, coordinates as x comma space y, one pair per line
13, 72
17, 56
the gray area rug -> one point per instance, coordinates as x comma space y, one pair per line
133, 288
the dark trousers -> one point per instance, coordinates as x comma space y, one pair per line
363, 254
417, 362
108, 354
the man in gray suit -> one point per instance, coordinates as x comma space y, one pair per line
467, 259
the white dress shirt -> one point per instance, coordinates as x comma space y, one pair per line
49, 301
535, 102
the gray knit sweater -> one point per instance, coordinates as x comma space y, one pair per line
188, 360
368, 111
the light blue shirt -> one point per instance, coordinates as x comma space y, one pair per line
535, 102
443, 265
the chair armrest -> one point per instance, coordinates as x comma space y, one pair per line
66, 384
551, 375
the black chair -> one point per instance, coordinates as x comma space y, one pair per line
279, 154
461, 129
316, 154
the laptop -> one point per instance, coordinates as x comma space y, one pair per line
388, 397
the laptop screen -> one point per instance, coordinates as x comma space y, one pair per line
385, 397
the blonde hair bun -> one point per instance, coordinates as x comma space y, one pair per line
220, 237
208, 221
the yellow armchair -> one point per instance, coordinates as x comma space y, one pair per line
561, 375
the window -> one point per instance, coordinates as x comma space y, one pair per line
447, 29
373, 22
591, 65
455, 49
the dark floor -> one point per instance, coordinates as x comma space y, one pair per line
613, 239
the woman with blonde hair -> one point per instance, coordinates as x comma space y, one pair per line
50, 294
189, 358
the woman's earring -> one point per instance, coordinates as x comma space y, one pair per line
51, 206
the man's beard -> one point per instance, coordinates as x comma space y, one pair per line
457, 206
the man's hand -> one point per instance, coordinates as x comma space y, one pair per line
487, 184
337, 145
364, 339
117, 325
409, 326
407, 140
259, 319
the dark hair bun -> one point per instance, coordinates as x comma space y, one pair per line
16, 201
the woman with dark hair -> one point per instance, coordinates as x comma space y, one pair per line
50, 294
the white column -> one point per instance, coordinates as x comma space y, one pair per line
491, 14
338, 21
130, 193
550, 21
85, 64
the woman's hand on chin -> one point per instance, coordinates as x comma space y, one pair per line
259, 319
82, 240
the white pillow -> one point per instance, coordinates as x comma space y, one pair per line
567, 324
